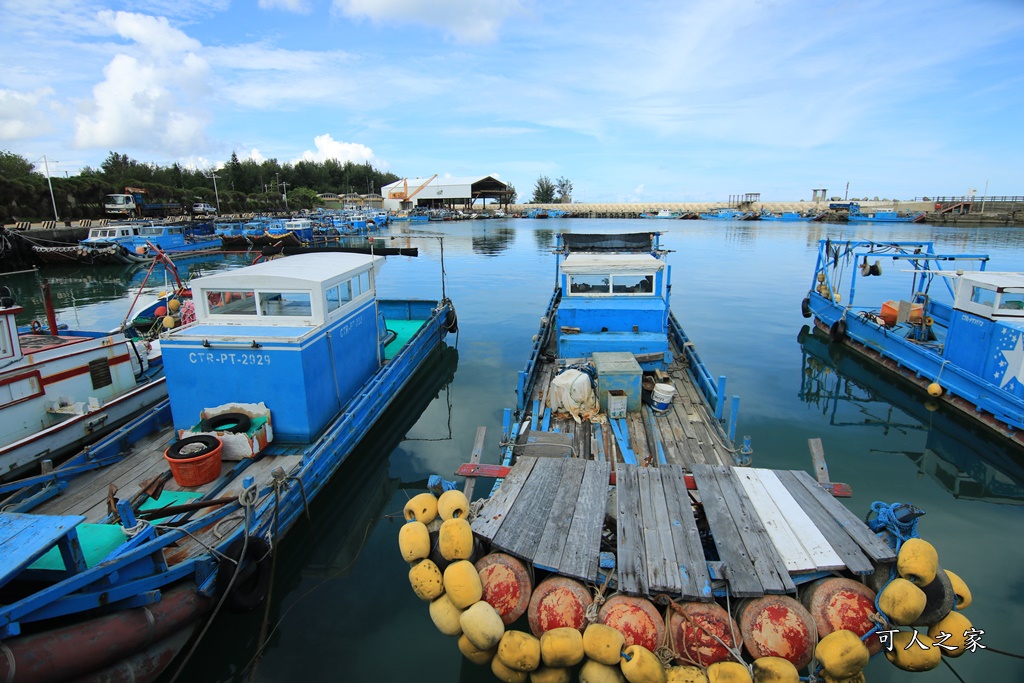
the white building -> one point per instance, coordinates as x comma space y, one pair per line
448, 193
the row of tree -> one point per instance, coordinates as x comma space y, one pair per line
241, 186
548, 192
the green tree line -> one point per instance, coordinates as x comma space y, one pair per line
242, 185
546, 191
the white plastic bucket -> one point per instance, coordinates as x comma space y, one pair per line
661, 397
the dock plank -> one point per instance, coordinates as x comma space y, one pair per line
695, 581
847, 549
521, 531
474, 458
495, 510
556, 528
803, 527
877, 549
662, 571
632, 567
583, 543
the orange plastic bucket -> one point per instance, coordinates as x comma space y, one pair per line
202, 469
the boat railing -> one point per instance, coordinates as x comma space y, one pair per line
711, 388
527, 376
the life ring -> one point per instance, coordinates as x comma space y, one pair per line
234, 423
37, 327
252, 582
193, 447
805, 307
838, 331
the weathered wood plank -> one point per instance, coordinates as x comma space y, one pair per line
743, 580
662, 570
495, 510
632, 567
638, 437
803, 527
690, 562
583, 542
845, 547
876, 548
474, 458
556, 527
524, 523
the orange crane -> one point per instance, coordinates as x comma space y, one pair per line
404, 194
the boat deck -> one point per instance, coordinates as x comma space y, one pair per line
687, 434
771, 529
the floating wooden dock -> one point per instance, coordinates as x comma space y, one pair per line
745, 532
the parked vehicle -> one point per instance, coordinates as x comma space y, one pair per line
135, 204
203, 209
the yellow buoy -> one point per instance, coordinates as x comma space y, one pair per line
455, 540
595, 672
960, 589
169, 322
426, 580
918, 561
603, 644
519, 650
482, 625
414, 541
935, 389
422, 508
775, 670
506, 674
453, 504
950, 633
821, 277
173, 305
473, 653
549, 674
685, 674
561, 647
640, 665
919, 656
445, 616
842, 654
728, 672
902, 601
859, 678
462, 583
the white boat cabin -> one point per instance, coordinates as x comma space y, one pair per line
993, 296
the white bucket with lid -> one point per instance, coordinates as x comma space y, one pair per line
661, 397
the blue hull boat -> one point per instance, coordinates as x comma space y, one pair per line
883, 216
958, 335
785, 216
286, 366
729, 215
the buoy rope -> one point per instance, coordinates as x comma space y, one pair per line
594, 608
952, 670
734, 652
989, 648
280, 482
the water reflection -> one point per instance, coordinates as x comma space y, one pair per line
961, 457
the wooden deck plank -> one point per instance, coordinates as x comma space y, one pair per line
690, 561
743, 580
877, 549
474, 458
631, 556
556, 528
583, 544
769, 565
662, 570
796, 557
524, 525
495, 510
638, 437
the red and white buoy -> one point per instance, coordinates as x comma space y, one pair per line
637, 619
777, 626
507, 585
838, 604
692, 625
558, 601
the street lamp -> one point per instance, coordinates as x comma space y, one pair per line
50, 184
213, 174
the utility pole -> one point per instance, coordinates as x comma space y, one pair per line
982, 196
284, 193
846, 196
213, 174
50, 184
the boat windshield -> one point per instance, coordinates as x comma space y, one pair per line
619, 283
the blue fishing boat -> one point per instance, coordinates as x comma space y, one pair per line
170, 239
958, 334
728, 215
113, 559
882, 216
785, 216
104, 244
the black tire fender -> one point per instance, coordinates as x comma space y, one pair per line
451, 320
184, 449
805, 307
251, 586
837, 332
235, 423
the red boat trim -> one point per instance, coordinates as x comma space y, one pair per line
82, 369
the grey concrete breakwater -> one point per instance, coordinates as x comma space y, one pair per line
635, 209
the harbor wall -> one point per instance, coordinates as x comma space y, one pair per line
634, 209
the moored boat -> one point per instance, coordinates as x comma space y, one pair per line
286, 366
882, 216
958, 334
786, 216
728, 215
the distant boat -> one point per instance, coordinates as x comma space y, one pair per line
882, 216
786, 216
663, 213
728, 215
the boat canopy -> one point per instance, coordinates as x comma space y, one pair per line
991, 295
607, 263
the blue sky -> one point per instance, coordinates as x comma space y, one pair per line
684, 100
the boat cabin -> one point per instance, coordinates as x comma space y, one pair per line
301, 332
111, 234
986, 327
614, 303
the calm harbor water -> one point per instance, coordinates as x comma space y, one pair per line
342, 608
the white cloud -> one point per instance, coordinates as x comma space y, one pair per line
153, 33
470, 21
639, 189
21, 113
255, 156
296, 6
329, 148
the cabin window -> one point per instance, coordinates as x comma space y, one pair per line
333, 300
985, 297
589, 284
231, 303
611, 284
364, 282
633, 284
150, 231
1011, 301
291, 304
